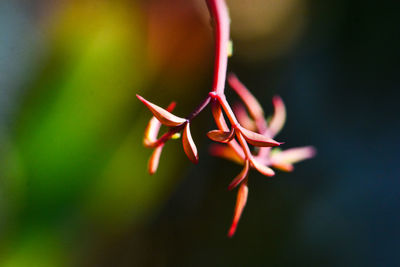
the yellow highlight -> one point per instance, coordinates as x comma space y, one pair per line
230, 48
176, 136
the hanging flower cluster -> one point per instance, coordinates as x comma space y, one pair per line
245, 134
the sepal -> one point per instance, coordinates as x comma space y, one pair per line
225, 152
153, 127
240, 177
264, 170
254, 107
164, 116
189, 146
155, 159
241, 201
279, 117
221, 136
257, 139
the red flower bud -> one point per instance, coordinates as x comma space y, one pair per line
257, 139
264, 170
155, 159
221, 136
189, 146
240, 177
248, 99
164, 116
241, 200
279, 117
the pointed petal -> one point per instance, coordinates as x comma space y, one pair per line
218, 116
240, 177
279, 117
153, 127
240, 204
283, 166
264, 170
189, 145
151, 132
243, 117
221, 136
225, 152
257, 139
155, 159
294, 155
164, 116
248, 99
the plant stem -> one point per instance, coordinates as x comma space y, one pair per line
219, 12
173, 130
199, 108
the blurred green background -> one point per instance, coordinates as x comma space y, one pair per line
74, 188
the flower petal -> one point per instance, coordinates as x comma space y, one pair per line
264, 170
155, 159
221, 136
294, 155
283, 166
189, 146
151, 132
256, 139
153, 127
240, 177
240, 204
279, 117
164, 116
243, 117
219, 116
248, 99
225, 152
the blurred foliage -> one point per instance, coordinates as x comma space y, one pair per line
75, 154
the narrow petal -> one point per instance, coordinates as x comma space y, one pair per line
294, 155
225, 152
164, 116
151, 132
153, 127
240, 204
279, 117
219, 116
243, 117
221, 136
256, 139
240, 177
283, 166
248, 99
264, 170
155, 159
189, 145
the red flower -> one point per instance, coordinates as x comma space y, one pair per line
164, 116
264, 156
245, 131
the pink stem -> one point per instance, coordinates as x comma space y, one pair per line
219, 12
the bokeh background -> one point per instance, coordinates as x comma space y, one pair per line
73, 184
